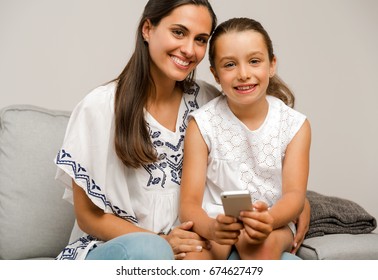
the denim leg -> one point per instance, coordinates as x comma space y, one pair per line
289, 257
133, 246
285, 256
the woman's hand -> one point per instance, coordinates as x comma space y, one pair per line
225, 230
258, 224
183, 240
302, 224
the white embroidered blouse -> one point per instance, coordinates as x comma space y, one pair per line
147, 196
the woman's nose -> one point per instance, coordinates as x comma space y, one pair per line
187, 48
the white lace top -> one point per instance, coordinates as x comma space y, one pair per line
243, 159
147, 196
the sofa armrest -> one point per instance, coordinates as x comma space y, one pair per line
340, 247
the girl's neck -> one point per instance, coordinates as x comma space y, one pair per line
252, 115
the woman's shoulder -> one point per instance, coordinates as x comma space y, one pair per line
98, 102
100, 96
207, 91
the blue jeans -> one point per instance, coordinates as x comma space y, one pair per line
145, 246
285, 256
133, 246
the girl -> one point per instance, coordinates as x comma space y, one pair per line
248, 139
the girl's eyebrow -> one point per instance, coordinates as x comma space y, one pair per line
187, 30
228, 57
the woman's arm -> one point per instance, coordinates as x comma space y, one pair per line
302, 224
92, 220
106, 226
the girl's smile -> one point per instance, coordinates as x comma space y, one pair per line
242, 67
245, 88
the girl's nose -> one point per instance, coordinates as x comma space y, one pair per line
244, 73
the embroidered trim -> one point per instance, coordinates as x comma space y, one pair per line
94, 190
70, 252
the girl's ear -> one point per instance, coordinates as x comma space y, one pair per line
215, 74
147, 25
272, 70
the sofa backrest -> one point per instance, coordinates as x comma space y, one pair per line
35, 222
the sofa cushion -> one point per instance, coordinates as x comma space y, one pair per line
35, 222
340, 247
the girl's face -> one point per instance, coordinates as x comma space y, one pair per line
178, 43
242, 66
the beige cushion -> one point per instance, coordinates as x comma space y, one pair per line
340, 247
35, 222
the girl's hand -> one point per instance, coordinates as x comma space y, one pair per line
182, 240
258, 224
225, 230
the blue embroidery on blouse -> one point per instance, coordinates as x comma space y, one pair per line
70, 252
93, 189
157, 171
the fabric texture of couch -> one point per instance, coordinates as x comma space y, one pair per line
35, 222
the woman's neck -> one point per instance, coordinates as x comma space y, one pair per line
164, 103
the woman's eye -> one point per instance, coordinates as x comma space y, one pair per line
255, 61
202, 40
178, 33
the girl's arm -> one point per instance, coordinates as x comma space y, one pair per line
295, 173
193, 183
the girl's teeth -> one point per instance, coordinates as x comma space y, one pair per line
244, 88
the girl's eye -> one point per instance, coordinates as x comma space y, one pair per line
254, 61
229, 64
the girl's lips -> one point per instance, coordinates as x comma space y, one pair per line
245, 88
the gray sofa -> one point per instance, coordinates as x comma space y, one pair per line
35, 222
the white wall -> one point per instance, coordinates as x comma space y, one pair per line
53, 52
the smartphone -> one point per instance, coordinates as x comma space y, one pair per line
236, 201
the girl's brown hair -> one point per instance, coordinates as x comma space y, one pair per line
132, 140
276, 87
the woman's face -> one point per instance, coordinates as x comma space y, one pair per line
178, 43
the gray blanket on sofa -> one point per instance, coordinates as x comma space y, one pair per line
331, 215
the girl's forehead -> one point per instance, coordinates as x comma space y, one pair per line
242, 39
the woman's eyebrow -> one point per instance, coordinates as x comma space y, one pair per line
187, 30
